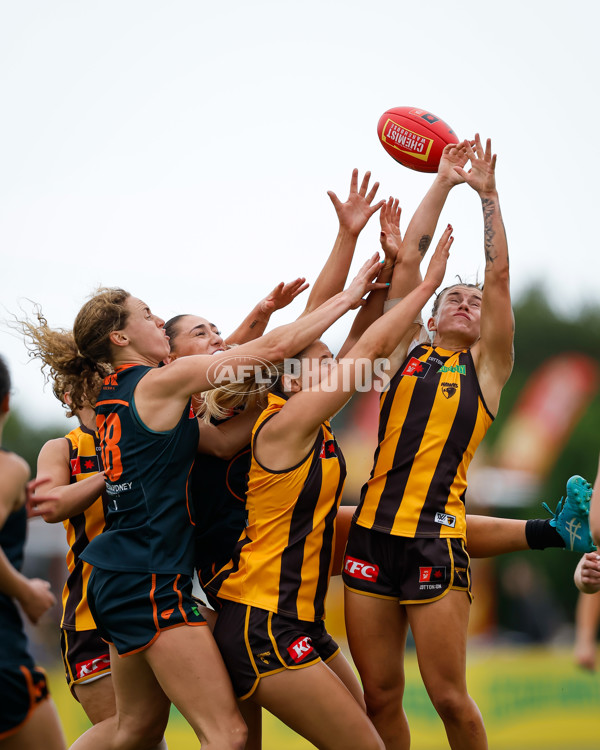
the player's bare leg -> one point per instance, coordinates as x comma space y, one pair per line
339, 664
142, 709
440, 632
41, 730
377, 630
97, 698
334, 721
189, 667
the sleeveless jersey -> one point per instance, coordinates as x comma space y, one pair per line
432, 418
84, 458
12, 542
282, 562
150, 525
219, 495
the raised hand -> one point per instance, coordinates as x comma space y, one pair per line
453, 155
282, 295
482, 175
390, 237
363, 282
437, 265
357, 210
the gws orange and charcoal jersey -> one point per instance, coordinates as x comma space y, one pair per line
282, 561
432, 418
150, 526
84, 457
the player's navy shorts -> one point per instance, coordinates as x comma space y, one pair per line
132, 609
85, 656
409, 570
22, 689
22, 685
255, 643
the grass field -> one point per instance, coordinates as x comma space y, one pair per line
531, 699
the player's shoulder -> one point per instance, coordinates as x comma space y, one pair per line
60, 446
15, 473
13, 466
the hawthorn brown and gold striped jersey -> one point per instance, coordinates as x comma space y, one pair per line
84, 458
432, 418
282, 562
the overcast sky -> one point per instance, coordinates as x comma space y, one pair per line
183, 149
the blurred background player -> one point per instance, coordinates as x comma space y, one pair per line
28, 718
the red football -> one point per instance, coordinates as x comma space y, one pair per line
414, 137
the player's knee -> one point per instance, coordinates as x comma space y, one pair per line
383, 696
450, 704
145, 734
237, 737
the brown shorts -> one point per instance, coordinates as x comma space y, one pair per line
410, 570
255, 643
85, 656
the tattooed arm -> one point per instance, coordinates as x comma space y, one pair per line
421, 229
255, 323
493, 353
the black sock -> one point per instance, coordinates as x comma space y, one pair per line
540, 535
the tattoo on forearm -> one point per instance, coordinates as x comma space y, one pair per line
489, 209
254, 322
424, 243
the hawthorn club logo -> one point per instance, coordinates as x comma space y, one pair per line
449, 389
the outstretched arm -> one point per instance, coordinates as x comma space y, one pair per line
421, 228
389, 217
255, 324
162, 393
353, 216
288, 436
493, 353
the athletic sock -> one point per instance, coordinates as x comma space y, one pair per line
540, 535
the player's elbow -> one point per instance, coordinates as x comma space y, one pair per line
219, 448
53, 517
225, 451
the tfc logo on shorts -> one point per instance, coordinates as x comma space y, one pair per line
90, 667
300, 648
361, 569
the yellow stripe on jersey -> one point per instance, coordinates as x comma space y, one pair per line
81, 529
282, 562
432, 419
385, 451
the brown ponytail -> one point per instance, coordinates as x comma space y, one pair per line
77, 361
